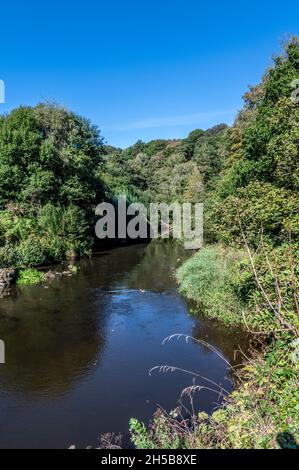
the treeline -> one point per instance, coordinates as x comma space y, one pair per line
167, 170
55, 168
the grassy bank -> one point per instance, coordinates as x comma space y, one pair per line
210, 280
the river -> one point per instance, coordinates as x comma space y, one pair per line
79, 350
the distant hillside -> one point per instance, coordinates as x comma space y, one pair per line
166, 170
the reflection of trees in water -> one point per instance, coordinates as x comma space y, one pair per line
108, 268
54, 336
156, 272
50, 340
157, 268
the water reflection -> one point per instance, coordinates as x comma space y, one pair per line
50, 338
53, 334
156, 271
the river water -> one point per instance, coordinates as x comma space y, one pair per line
79, 350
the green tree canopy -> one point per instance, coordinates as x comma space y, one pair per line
48, 154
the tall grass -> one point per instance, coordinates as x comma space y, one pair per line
209, 279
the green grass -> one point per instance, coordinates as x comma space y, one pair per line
27, 277
208, 278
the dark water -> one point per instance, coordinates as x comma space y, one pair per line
78, 352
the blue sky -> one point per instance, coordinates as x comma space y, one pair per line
140, 70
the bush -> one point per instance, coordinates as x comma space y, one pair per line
258, 207
8, 256
29, 277
30, 252
48, 234
275, 282
64, 229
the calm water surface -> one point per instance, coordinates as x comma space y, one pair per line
78, 353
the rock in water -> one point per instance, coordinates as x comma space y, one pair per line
6, 277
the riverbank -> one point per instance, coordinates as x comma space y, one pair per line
31, 276
263, 410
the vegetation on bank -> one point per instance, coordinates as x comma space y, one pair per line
261, 413
49, 182
263, 410
29, 277
211, 280
251, 276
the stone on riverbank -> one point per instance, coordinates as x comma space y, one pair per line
6, 277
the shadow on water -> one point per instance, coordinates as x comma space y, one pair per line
78, 352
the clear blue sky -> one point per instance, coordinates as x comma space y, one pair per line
140, 70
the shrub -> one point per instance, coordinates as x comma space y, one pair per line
29, 277
8, 256
31, 252
258, 207
64, 229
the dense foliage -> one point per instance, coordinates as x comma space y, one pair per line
54, 168
167, 170
260, 182
49, 181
